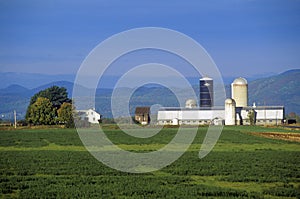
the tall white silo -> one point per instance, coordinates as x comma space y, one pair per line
239, 92
230, 115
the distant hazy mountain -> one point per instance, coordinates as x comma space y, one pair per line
34, 80
15, 88
282, 89
31, 80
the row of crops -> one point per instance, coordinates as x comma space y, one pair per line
52, 163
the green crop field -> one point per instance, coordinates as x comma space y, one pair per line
53, 163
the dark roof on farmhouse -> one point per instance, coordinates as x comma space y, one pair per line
142, 110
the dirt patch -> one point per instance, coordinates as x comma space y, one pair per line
280, 136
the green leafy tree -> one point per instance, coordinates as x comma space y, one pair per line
65, 114
56, 95
251, 116
41, 112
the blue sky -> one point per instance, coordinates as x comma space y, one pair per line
244, 37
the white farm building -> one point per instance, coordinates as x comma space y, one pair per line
89, 115
272, 115
191, 116
235, 111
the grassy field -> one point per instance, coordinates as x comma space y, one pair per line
53, 163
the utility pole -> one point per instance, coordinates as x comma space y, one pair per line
265, 114
276, 118
15, 117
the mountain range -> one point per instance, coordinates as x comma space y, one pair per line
282, 89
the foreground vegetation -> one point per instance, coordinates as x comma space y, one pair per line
53, 163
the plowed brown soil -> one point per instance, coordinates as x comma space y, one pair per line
281, 136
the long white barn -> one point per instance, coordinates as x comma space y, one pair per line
192, 116
272, 115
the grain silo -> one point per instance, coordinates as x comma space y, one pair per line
239, 92
190, 103
230, 115
206, 92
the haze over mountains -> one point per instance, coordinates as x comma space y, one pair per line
34, 80
17, 88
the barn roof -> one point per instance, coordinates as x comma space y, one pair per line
142, 110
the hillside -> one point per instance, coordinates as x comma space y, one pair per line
31, 80
282, 89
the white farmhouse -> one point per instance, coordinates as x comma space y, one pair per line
89, 115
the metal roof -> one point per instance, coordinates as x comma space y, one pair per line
263, 107
240, 81
205, 78
191, 109
142, 110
